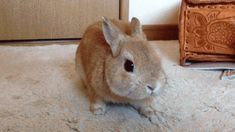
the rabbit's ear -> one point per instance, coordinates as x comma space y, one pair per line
113, 36
136, 29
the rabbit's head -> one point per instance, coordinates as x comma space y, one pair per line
133, 70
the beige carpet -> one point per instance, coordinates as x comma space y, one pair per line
40, 92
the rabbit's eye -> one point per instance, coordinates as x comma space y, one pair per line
129, 66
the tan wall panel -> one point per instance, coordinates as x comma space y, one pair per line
50, 19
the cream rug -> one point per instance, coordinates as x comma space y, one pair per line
40, 92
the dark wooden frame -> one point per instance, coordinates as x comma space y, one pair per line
161, 32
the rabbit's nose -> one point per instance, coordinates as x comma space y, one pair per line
150, 88
154, 88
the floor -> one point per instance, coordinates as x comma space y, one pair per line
40, 92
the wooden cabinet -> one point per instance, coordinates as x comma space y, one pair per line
52, 19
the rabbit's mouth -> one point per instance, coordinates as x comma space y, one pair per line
131, 92
141, 92
137, 94
153, 94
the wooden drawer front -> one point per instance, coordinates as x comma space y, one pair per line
210, 29
49, 19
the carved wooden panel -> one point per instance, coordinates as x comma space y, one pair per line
211, 30
207, 32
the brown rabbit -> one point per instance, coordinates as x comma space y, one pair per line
117, 65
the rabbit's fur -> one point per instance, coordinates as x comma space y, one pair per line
101, 58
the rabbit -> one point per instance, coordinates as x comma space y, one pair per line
117, 64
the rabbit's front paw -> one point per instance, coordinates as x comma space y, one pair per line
98, 108
155, 116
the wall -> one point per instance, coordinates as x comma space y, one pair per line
154, 12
